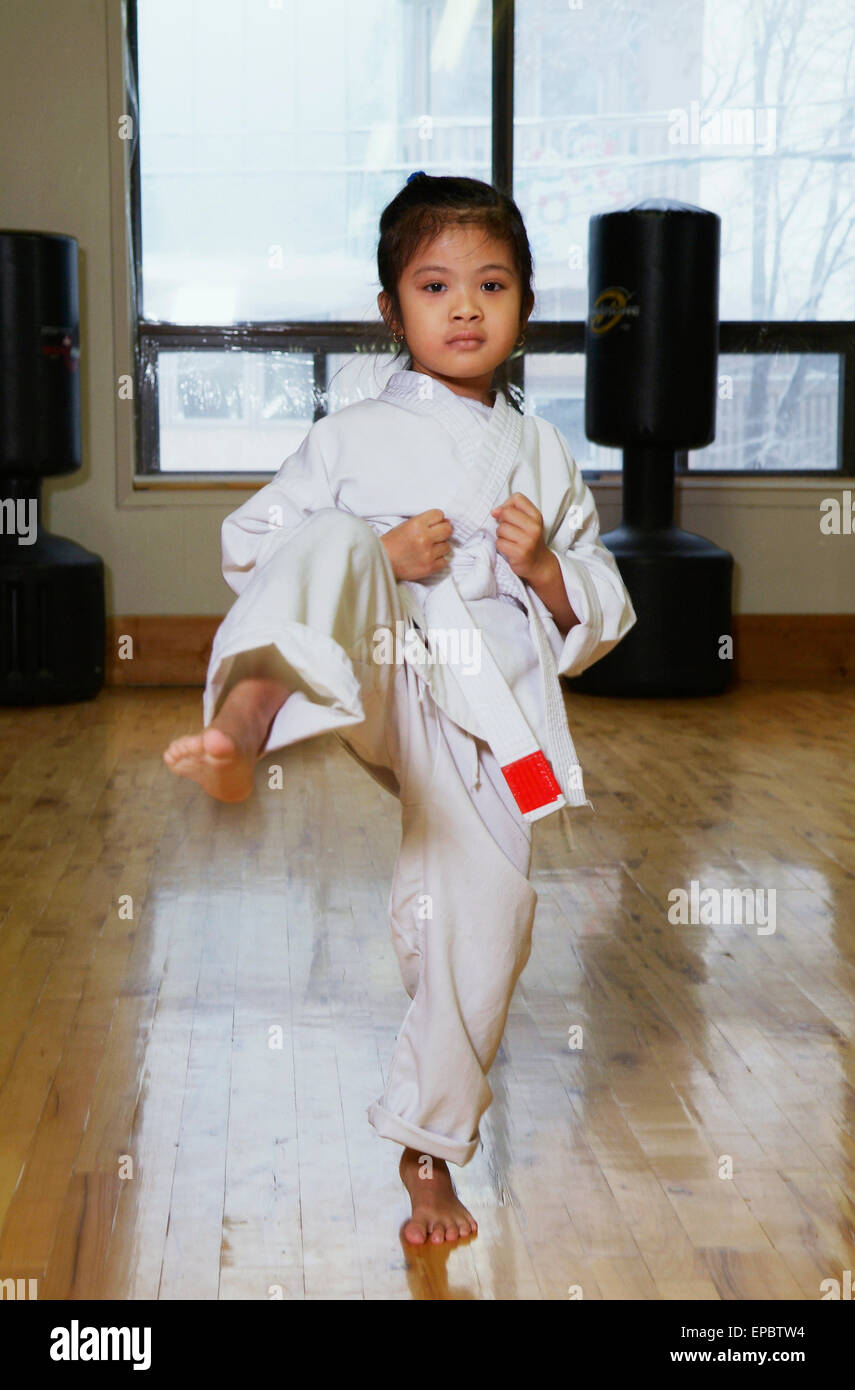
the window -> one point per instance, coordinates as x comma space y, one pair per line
272, 132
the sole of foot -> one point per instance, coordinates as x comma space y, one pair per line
214, 760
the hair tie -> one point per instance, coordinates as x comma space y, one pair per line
416, 175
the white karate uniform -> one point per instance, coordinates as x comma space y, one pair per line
316, 590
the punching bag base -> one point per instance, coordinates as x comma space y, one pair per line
680, 586
52, 622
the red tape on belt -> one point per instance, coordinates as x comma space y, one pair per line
532, 781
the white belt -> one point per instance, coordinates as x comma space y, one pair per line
540, 785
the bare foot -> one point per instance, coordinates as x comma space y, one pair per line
214, 760
438, 1215
222, 757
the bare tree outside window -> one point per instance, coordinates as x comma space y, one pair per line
743, 108
272, 134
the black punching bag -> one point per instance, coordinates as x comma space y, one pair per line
52, 617
651, 348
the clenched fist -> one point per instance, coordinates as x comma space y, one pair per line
519, 537
419, 546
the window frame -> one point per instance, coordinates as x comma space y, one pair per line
542, 336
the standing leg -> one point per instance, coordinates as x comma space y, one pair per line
461, 911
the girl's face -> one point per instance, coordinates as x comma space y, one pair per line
460, 300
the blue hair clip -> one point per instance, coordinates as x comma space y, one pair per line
415, 175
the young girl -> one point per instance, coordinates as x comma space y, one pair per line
415, 578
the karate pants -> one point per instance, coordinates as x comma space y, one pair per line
461, 907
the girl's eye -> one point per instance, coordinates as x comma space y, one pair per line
431, 283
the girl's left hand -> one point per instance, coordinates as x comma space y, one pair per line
520, 536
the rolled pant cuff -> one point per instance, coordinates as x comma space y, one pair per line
390, 1126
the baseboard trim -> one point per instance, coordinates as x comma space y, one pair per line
161, 649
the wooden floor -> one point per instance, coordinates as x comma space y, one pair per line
156, 1142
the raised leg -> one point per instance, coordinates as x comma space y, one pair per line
222, 756
292, 657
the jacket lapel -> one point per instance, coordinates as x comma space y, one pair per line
488, 454
488, 457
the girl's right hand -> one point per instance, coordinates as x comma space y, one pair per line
419, 546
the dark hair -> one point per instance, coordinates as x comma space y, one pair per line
424, 207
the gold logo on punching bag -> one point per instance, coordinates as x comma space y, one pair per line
610, 306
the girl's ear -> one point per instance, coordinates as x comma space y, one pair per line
384, 304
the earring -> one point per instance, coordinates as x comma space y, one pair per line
398, 337
520, 340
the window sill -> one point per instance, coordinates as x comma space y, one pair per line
205, 482
776, 482
149, 489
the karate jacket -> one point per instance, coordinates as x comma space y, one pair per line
417, 446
